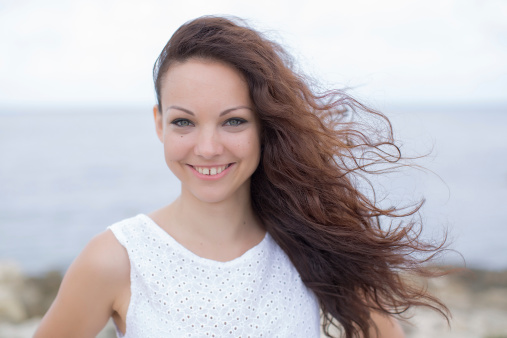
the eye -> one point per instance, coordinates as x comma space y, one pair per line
234, 122
182, 122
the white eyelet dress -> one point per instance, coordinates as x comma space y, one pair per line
175, 293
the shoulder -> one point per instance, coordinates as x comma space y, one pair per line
104, 255
89, 291
102, 267
103, 262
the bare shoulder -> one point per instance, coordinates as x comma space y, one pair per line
103, 260
106, 256
88, 293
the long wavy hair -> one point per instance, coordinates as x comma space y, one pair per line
308, 190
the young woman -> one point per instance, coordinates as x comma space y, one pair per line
271, 235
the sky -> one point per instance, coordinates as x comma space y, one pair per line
97, 52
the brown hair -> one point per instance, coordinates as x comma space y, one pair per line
306, 190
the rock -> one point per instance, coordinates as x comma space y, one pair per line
12, 308
10, 273
22, 298
478, 303
25, 329
39, 292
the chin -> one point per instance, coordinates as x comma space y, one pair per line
211, 198
216, 195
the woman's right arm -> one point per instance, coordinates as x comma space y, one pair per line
89, 291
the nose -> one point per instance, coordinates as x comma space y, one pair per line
208, 144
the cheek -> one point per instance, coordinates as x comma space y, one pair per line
243, 145
249, 146
176, 147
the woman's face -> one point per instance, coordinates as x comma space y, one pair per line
209, 130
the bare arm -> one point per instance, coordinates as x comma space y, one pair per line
89, 292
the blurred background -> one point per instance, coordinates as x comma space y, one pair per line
78, 150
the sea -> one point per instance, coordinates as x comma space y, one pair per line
66, 173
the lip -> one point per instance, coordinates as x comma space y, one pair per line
211, 177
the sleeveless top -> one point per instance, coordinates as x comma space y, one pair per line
175, 293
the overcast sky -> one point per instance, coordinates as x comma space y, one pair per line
394, 51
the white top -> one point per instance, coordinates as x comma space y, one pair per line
175, 293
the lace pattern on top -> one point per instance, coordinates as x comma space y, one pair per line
175, 293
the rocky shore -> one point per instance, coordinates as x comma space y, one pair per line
477, 300
24, 300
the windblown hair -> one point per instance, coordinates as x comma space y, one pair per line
353, 254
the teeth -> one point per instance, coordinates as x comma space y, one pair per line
211, 171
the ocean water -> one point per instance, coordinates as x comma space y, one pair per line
66, 174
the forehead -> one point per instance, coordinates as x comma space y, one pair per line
205, 79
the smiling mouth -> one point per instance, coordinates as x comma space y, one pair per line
210, 171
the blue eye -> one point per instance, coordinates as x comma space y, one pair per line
234, 122
182, 123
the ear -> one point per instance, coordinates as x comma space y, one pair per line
159, 122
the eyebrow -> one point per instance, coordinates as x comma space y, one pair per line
225, 112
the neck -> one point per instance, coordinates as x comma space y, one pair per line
221, 222
218, 231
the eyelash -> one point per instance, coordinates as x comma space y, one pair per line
239, 121
177, 122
